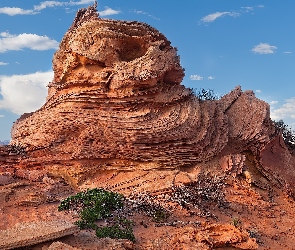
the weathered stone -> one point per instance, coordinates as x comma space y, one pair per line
278, 164
233, 164
116, 103
6, 178
61, 246
31, 233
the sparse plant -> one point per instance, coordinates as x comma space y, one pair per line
253, 233
236, 222
200, 194
16, 149
120, 228
287, 133
160, 215
205, 94
97, 204
148, 205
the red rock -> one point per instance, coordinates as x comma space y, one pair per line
116, 102
117, 117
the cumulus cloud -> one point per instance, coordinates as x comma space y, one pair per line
3, 63
2, 116
24, 93
50, 4
258, 91
211, 77
108, 11
196, 77
46, 4
21, 41
212, 17
285, 112
12, 11
264, 48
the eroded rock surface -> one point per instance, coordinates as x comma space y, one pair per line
116, 102
117, 117
27, 234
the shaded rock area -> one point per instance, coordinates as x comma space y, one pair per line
117, 117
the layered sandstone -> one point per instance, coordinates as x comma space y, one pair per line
117, 117
116, 99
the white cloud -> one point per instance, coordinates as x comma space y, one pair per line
212, 17
82, 2
24, 93
46, 4
258, 91
211, 77
21, 41
285, 112
12, 11
264, 48
50, 4
287, 52
196, 77
3, 63
108, 11
273, 102
248, 9
145, 13
2, 116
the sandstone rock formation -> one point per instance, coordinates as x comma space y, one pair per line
116, 102
32, 233
117, 117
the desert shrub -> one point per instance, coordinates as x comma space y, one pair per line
120, 228
16, 149
149, 205
97, 204
207, 190
287, 133
236, 222
205, 94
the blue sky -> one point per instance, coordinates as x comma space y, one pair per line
221, 43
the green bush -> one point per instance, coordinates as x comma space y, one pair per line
287, 133
120, 229
205, 94
97, 204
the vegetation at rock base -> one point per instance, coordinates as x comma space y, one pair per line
99, 204
149, 205
200, 194
287, 133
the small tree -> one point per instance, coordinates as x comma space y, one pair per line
205, 94
287, 133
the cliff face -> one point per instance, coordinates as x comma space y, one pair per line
117, 99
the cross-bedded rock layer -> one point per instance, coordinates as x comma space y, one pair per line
116, 100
